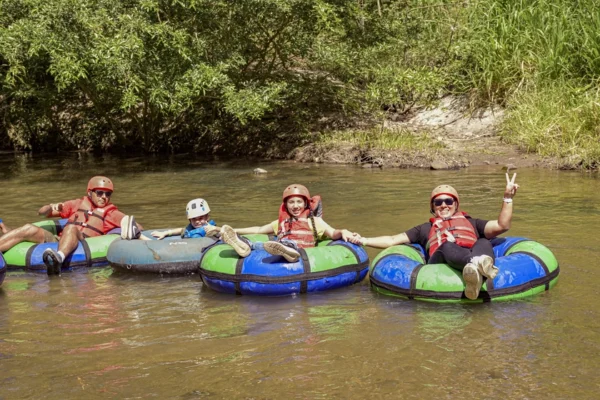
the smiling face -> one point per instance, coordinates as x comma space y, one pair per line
441, 206
295, 205
100, 197
200, 221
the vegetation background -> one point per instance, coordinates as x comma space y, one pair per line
261, 77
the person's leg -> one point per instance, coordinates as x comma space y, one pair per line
285, 247
241, 247
289, 243
483, 247
66, 245
26, 233
69, 240
461, 258
452, 254
483, 258
473, 281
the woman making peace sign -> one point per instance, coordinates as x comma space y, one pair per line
453, 237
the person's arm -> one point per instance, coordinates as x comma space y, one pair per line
337, 234
163, 234
502, 224
266, 229
51, 210
3, 227
382, 242
344, 234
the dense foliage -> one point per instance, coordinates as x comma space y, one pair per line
247, 76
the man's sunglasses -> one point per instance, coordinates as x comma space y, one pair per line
99, 193
438, 202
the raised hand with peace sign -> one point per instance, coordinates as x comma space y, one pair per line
511, 186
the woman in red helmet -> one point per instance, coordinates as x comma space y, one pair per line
454, 238
92, 215
299, 226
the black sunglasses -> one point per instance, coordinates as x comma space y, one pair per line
99, 193
438, 202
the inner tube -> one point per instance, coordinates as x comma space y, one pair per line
172, 255
3, 269
90, 252
330, 265
525, 268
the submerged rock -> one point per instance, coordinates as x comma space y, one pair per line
437, 164
258, 171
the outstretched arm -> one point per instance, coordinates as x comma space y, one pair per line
163, 234
502, 224
382, 242
343, 234
51, 210
266, 229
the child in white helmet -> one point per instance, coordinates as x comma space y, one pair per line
299, 226
198, 213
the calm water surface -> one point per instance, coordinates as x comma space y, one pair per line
98, 334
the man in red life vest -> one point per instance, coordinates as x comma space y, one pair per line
453, 237
92, 215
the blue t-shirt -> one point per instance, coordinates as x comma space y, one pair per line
191, 232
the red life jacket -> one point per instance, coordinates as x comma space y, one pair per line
457, 229
298, 229
90, 219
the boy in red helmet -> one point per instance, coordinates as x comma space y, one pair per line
92, 215
299, 226
453, 237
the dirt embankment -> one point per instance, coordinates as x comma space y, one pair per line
468, 138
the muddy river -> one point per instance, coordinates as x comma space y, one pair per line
99, 334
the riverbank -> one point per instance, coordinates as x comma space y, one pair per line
453, 137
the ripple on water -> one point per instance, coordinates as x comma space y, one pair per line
99, 334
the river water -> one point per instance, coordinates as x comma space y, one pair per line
98, 334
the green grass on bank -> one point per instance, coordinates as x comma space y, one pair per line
382, 139
558, 121
541, 59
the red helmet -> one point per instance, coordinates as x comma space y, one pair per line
444, 189
296, 190
100, 182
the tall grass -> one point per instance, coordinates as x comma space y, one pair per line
558, 121
541, 59
510, 44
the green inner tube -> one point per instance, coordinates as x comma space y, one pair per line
525, 267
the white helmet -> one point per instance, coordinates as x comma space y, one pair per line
197, 208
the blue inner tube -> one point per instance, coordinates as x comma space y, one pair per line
328, 266
3, 269
90, 252
525, 268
